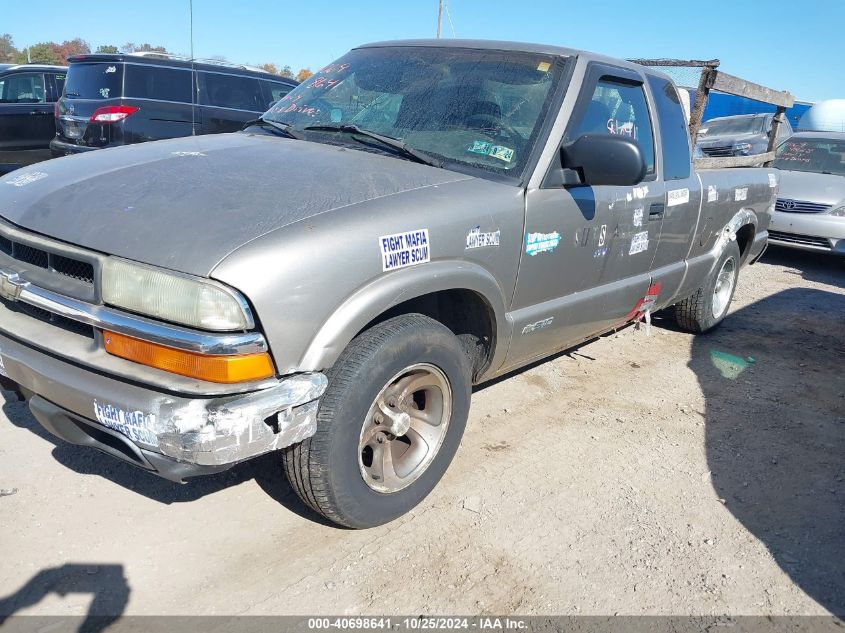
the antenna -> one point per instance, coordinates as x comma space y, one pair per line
194, 85
439, 18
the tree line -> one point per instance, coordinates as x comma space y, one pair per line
57, 54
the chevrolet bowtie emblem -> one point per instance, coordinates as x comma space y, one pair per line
11, 285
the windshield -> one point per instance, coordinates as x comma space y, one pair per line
94, 81
822, 156
479, 108
733, 126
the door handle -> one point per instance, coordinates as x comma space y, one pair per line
655, 211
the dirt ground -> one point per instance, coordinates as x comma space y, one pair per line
661, 474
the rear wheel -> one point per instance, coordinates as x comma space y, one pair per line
388, 425
707, 307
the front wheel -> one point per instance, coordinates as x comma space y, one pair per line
388, 425
707, 307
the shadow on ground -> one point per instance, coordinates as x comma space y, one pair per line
106, 584
782, 475
809, 265
266, 470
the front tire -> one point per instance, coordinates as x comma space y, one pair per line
708, 306
388, 425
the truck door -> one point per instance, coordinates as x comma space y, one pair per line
683, 190
587, 251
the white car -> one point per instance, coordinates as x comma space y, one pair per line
810, 209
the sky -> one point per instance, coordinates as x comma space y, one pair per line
788, 45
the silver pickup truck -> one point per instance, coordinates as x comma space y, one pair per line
417, 218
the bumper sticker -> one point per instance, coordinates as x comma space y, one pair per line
477, 239
136, 425
638, 216
401, 250
22, 180
712, 194
677, 196
639, 243
536, 243
741, 194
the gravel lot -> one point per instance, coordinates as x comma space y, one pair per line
661, 474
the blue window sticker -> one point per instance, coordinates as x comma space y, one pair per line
480, 147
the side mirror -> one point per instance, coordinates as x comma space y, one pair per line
600, 159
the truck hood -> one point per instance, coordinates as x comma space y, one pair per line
186, 203
812, 187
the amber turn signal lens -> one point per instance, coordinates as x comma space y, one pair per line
223, 369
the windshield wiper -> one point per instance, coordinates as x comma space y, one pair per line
389, 141
282, 128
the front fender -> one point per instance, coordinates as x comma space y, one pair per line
387, 291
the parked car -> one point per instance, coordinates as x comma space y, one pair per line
114, 100
27, 125
335, 290
740, 135
810, 210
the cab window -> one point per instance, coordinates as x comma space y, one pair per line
621, 109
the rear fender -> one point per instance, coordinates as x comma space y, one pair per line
743, 217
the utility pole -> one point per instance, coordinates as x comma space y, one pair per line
439, 18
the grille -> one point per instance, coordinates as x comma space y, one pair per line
83, 271
48, 317
799, 206
793, 238
718, 152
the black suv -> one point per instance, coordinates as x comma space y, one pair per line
27, 124
120, 99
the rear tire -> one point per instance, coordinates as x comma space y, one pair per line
707, 307
352, 470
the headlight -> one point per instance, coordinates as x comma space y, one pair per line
838, 212
743, 148
173, 297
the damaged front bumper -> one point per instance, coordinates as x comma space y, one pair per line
172, 435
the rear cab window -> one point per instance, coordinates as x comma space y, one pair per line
96, 80
674, 134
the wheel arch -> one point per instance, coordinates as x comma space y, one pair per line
740, 228
462, 295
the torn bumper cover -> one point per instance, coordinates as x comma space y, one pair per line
172, 435
217, 432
